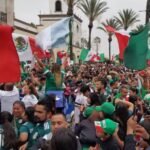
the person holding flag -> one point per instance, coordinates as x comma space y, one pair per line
54, 83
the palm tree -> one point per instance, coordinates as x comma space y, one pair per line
111, 23
147, 11
138, 28
126, 18
71, 4
92, 9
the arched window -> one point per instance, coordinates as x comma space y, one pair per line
58, 5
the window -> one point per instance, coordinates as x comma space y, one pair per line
58, 5
3, 17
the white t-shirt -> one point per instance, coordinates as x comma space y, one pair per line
80, 100
29, 100
7, 98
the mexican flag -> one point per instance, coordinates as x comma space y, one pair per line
123, 39
9, 65
138, 51
83, 54
102, 57
95, 58
15, 48
26, 47
23, 47
55, 35
36, 49
66, 61
61, 55
90, 56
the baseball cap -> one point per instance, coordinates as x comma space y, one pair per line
106, 107
88, 111
147, 97
107, 125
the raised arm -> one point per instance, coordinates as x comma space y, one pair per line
39, 61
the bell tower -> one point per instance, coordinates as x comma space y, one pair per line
58, 7
7, 11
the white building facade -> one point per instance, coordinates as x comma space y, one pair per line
7, 12
57, 11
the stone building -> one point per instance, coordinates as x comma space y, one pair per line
57, 11
7, 11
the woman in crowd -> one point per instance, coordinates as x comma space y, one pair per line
26, 129
30, 95
122, 114
54, 83
8, 139
18, 113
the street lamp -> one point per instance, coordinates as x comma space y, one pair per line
97, 40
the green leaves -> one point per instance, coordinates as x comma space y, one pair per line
92, 8
110, 22
138, 28
126, 18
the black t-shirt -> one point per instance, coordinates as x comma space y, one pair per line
86, 133
102, 98
122, 132
109, 144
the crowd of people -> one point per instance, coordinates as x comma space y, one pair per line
92, 106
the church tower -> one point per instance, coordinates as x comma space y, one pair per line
7, 11
58, 7
57, 11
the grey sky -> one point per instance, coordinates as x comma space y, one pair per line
28, 10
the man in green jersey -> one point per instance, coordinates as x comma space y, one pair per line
42, 116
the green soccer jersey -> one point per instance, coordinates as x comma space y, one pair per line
118, 96
50, 82
24, 76
40, 130
17, 123
27, 128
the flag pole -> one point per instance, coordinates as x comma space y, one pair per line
70, 39
109, 41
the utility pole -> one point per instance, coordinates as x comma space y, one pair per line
109, 41
147, 11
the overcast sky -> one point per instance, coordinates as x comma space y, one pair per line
28, 10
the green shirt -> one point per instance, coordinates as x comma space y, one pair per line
85, 147
24, 76
17, 124
50, 82
118, 96
28, 129
40, 130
